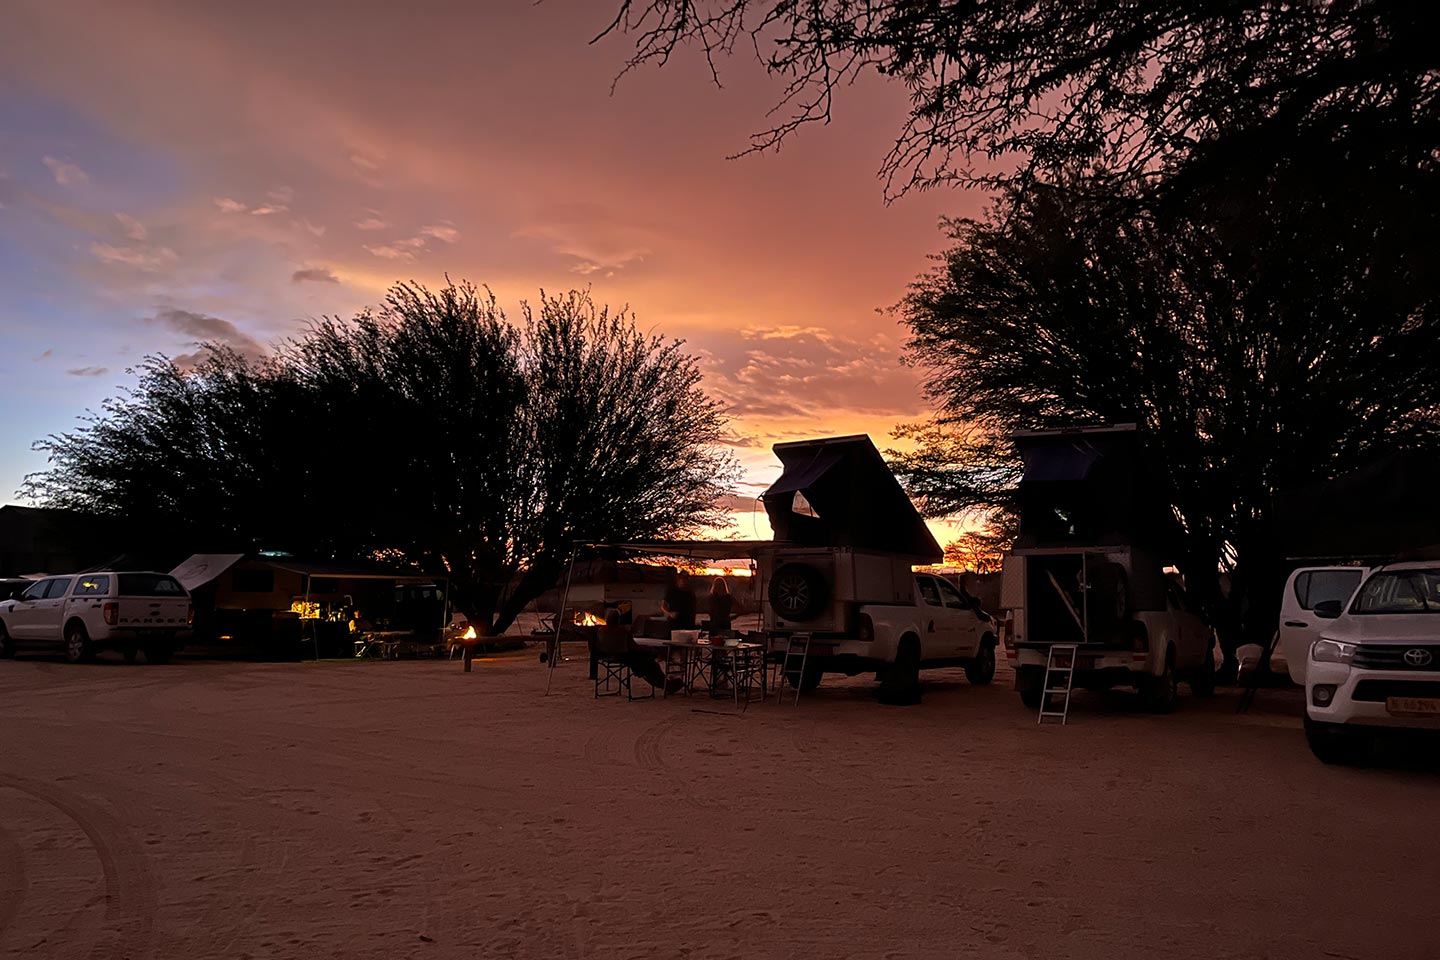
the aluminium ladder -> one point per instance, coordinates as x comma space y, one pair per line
797, 649
1060, 661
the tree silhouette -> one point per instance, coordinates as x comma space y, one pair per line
1256, 350
1144, 89
432, 433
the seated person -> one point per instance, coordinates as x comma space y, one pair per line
615, 641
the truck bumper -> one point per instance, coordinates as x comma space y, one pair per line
1363, 697
1094, 667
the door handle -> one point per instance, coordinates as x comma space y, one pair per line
1296, 623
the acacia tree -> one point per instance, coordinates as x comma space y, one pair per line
431, 432
1257, 352
1146, 89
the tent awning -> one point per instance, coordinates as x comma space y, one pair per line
203, 568
689, 549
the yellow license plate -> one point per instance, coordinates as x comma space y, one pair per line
1412, 706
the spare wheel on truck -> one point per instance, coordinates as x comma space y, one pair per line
798, 592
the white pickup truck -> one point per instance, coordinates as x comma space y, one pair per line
107, 610
867, 611
1131, 624
1376, 663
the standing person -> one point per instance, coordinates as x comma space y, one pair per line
722, 604
679, 603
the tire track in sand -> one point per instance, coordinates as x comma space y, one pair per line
130, 898
647, 744
14, 882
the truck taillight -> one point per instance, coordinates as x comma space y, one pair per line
111, 612
867, 627
189, 614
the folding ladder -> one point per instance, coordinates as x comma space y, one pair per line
1059, 668
797, 651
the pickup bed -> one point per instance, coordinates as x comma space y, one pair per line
85, 613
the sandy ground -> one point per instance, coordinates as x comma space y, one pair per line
406, 809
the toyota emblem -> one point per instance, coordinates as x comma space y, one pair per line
1418, 657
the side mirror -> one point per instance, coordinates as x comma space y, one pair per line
1328, 609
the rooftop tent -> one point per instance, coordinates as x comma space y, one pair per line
840, 492
1088, 485
1382, 510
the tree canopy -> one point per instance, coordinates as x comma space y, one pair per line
432, 433
1001, 89
1252, 338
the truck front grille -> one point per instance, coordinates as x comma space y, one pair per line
1391, 656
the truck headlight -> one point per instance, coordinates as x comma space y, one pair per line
1332, 651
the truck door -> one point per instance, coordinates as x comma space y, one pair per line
963, 624
1299, 628
49, 619
24, 615
1191, 636
937, 640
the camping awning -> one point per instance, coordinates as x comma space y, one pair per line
852, 500
204, 567
690, 549
340, 571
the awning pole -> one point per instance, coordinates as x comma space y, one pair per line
560, 617
315, 625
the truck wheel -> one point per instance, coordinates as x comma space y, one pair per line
806, 683
1202, 681
1160, 693
798, 592
1333, 744
159, 652
78, 648
7, 646
981, 670
901, 686
1030, 684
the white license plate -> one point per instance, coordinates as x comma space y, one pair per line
1412, 706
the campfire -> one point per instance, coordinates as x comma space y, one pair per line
469, 634
587, 619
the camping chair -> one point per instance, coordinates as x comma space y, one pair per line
748, 674
613, 675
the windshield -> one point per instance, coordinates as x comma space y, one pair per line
150, 585
1400, 591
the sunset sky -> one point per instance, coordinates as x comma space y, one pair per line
172, 172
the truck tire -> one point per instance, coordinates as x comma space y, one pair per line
78, 648
1333, 744
798, 592
160, 651
809, 681
901, 686
1030, 684
1160, 693
7, 646
981, 670
1109, 595
1202, 681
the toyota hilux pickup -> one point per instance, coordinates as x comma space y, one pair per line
840, 574
1376, 664
869, 612
84, 613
